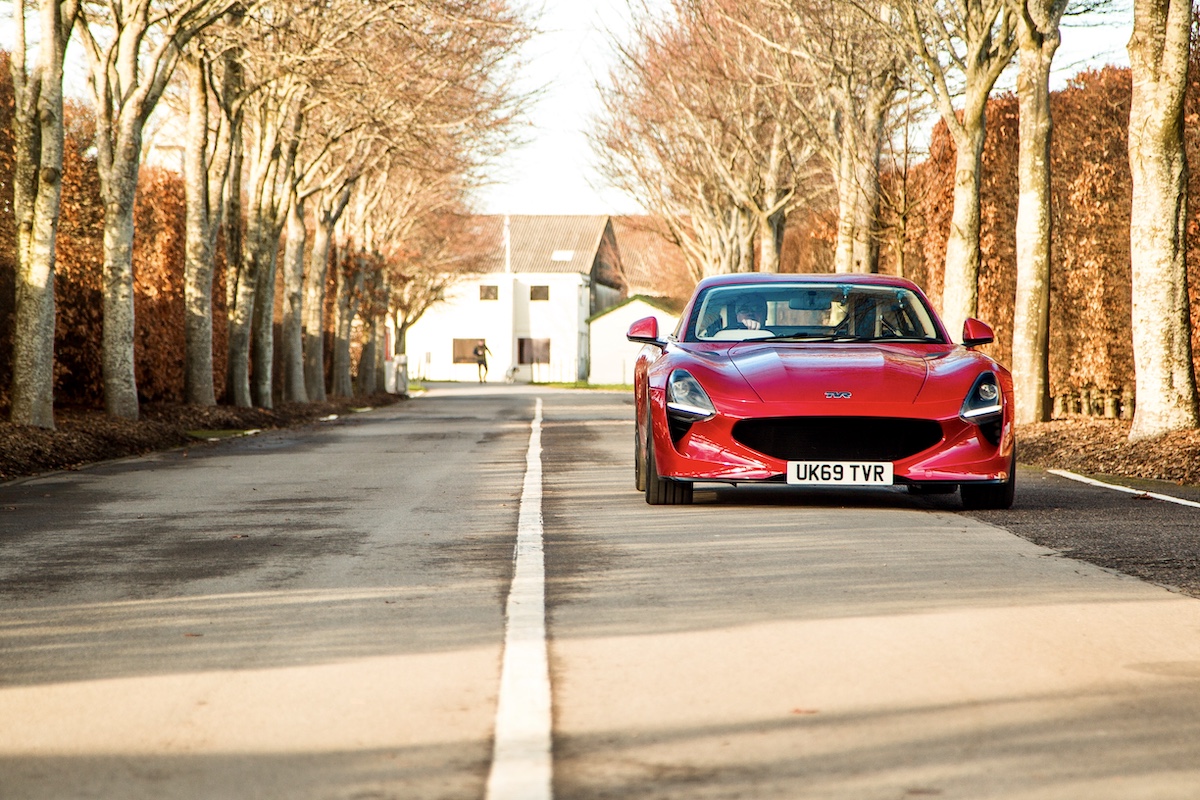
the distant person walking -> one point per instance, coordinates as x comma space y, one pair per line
481, 353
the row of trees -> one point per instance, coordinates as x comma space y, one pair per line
341, 124
725, 116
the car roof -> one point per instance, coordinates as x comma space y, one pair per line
768, 278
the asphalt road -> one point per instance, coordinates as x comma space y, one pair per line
320, 614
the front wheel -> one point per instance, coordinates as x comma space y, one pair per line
663, 491
992, 495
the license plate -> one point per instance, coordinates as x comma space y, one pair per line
840, 473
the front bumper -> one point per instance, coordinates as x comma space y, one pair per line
709, 450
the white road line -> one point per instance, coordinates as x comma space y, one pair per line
1062, 473
521, 765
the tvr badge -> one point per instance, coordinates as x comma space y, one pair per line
837, 395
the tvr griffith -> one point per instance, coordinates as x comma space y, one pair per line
820, 380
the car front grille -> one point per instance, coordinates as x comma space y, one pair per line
838, 438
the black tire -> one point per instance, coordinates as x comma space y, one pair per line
976, 497
639, 462
663, 491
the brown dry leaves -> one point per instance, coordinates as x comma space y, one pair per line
1101, 446
87, 436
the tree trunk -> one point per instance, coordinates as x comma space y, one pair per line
865, 243
198, 262
366, 363
1158, 57
37, 193
843, 253
292, 331
272, 173
745, 239
119, 187
235, 231
240, 315
347, 292
960, 295
769, 226
314, 313
262, 352
328, 212
1031, 313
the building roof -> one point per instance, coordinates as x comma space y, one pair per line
652, 263
665, 304
543, 243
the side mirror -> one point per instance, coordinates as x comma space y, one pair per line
645, 331
976, 333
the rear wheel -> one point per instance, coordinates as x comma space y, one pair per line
663, 491
992, 495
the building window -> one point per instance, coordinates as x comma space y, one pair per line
539, 292
533, 351
464, 351
489, 292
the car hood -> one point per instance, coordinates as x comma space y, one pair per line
819, 372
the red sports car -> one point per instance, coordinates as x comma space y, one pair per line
820, 380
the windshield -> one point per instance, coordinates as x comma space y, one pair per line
828, 312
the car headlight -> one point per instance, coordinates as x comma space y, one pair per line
686, 398
984, 400
984, 407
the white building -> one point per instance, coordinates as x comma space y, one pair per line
613, 355
548, 276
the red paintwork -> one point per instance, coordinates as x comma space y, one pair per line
785, 379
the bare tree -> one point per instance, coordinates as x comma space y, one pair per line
330, 112
274, 122
331, 203
1038, 38
899, 194
691, 125
214, 116
37, 192
958, 51
132, 50
841, 79
427, 260
1159, 52
358, 258
295, 51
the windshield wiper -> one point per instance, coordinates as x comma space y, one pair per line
795, 337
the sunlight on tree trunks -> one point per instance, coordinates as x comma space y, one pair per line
131, 55
1158, 56
1038, 38
37, 194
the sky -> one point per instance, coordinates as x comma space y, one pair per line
554, 173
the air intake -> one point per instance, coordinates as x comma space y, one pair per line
838, 438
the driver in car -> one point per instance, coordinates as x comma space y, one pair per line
750, 312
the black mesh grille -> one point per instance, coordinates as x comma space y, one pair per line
838, 438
